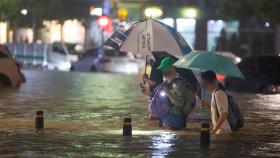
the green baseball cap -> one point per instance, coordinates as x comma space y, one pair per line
166, 63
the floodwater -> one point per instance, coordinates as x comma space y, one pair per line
83, 118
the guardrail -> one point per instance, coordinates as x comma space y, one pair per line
30, 54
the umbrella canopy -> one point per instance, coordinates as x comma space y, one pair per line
146, 36
204, 61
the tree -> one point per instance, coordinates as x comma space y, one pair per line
39, 10
269, 8
251, 9
8, 14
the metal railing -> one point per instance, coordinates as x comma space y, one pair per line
30, 54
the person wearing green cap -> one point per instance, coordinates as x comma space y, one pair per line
179, 92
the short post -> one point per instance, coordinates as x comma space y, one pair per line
39, 120
127, 127
205, 134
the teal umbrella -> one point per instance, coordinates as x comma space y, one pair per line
204, 61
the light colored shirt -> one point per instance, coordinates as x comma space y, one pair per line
219, 104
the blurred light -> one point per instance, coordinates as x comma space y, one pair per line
122, 13
73, 31
266, 24
95, 11
54, 29
162, 94
3, 32
189, 12
24, 11
45, 63
220, 22
238, 60
211, 21
153, 12
220, 77
103, 22
79, 47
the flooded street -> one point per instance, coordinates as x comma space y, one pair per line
84, 113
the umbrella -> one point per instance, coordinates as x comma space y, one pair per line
146, 36
204, 61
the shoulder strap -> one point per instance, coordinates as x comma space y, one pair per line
216, 108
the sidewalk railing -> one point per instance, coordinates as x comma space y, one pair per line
30, 54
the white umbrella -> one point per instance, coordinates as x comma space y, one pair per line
146, 36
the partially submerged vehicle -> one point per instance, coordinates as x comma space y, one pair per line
106, 60
61, 55
10, 73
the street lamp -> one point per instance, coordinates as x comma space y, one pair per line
153, 12
189, 12
24, 11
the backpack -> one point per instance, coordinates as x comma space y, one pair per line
159, 106
186, 109
235, 117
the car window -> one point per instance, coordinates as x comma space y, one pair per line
58, 49
71, 48
3, 55
269, 64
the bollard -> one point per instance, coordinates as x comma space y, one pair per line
127, 128
39, 120
205, 134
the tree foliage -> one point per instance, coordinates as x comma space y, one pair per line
251, 9
39, 10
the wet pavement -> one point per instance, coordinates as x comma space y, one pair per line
83, 118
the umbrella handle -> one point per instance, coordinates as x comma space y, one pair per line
146, 62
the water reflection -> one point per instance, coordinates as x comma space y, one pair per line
84, 116
162, 143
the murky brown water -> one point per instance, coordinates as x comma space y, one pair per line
83, 118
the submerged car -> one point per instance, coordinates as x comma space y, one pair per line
10, 74
261, 73
62, 55
106, 60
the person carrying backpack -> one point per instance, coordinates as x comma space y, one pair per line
225, 113
180, 95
